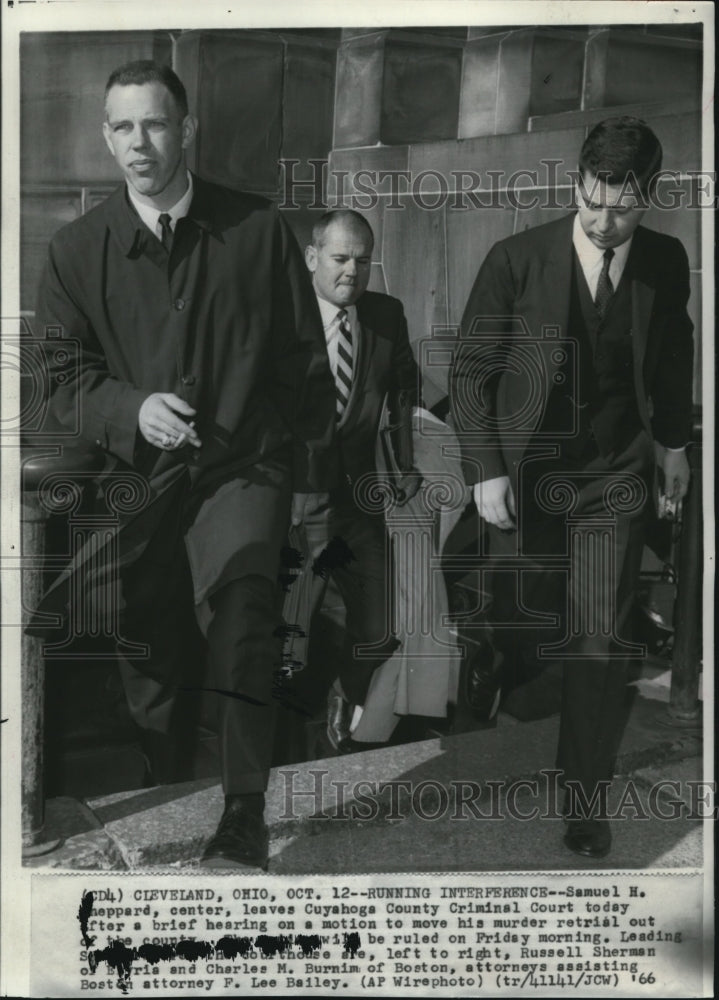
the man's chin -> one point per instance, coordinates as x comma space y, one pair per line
146, 186
604, 244
348, 295
146, 189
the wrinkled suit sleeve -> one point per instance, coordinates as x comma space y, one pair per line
103, 408
476, 370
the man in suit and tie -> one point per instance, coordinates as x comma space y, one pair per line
203, 373
572, 383
371, 361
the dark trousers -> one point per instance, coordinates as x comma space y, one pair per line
241, 653
228, 646
342, 542
588, 510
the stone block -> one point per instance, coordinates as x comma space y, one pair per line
625, 67
171, 824
309, 85
519, 160
557, 71
420, 93
681, 139
480, 81
236, 79
414, 262
396, 87
84, 844
161, 825
508, 77
470, 235
514, 83
360, 69
346, 163
43, 213
588, 117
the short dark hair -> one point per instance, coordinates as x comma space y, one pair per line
338, 215
146, 71
620, 148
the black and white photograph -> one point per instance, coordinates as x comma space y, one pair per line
357, 457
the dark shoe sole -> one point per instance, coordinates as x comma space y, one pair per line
586, 852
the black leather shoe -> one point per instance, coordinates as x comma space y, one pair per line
591, 838
242, 839
339, 713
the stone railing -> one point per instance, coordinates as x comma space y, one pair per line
38, 463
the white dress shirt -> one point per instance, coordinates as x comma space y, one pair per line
150, 216
591, 258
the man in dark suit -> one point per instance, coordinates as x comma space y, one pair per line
573, 376
204, 369
371, 361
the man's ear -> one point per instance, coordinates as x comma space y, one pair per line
189, 130
107, 133
311, 257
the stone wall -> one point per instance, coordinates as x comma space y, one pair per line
448, 139
492, 151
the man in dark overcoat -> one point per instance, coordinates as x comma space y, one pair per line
202, 367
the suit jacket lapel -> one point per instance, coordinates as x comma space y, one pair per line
553, 295
640, 272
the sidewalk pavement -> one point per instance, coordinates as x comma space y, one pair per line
313, 827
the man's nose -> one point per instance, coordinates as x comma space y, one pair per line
139, 137
351, 267
605, 220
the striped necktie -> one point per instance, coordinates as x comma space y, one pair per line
166, 231
605, 288
343, 377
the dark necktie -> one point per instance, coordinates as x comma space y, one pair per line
605, 288
343, 378
166, 236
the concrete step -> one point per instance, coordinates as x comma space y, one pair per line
313, 826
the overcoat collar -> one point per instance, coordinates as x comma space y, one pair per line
132, 234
